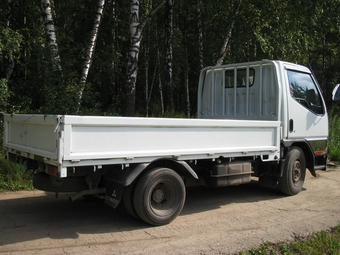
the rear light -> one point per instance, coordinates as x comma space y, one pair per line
52, 170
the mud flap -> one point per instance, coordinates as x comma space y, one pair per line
312, 171
114, 193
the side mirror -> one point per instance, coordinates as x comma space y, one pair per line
336, 93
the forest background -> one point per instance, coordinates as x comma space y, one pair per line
143, 58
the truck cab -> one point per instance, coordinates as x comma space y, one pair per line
274, 91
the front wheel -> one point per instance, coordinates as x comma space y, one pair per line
294, 172
159, 196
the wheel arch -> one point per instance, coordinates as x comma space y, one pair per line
133, 173
307, 150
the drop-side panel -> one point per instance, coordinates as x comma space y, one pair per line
131, 140
32, 135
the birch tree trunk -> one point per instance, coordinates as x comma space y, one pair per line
160, 85
112, 4
11, 63
186, 80
148, 96
168, 64
146, 54
51, 35
186, 68
225, 46
132, 63
90, 51
136, 32
200, 34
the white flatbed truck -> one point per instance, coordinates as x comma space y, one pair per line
266, 119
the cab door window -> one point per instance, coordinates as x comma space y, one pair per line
304, 90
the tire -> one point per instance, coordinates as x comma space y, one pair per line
44, 182
159, 196
294, 172
128, 200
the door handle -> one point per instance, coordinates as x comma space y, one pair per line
291, 125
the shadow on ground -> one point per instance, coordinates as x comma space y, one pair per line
31, 218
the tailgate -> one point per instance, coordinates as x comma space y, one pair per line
32, 136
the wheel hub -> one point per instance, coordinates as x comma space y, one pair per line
158, 196
296, 171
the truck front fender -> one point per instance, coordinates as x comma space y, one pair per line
307, 150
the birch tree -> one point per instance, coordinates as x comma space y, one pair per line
137, 25
168, 58
90, 51
200, 34
51, 35
112, 5
186, 81
226, 42
160, 85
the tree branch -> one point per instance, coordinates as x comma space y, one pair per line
223, 51
151, 14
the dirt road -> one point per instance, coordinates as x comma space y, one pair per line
213, 221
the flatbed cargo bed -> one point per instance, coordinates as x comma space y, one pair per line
71, 141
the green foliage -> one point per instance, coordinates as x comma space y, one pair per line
10, 41
293, 30
4, 94
14, 176
334, 137
324, 242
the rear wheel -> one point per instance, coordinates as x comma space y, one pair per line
294, 172
159, 196
128, 200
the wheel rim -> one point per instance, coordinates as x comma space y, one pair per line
163, 198
296, 171
159, 196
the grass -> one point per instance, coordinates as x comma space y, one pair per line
14, 177
334, 138
324, 242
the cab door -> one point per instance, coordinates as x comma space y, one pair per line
307, 113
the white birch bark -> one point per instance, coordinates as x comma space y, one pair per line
90, 51
225, 46
51, 34
168, 64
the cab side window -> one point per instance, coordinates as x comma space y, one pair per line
304, 90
